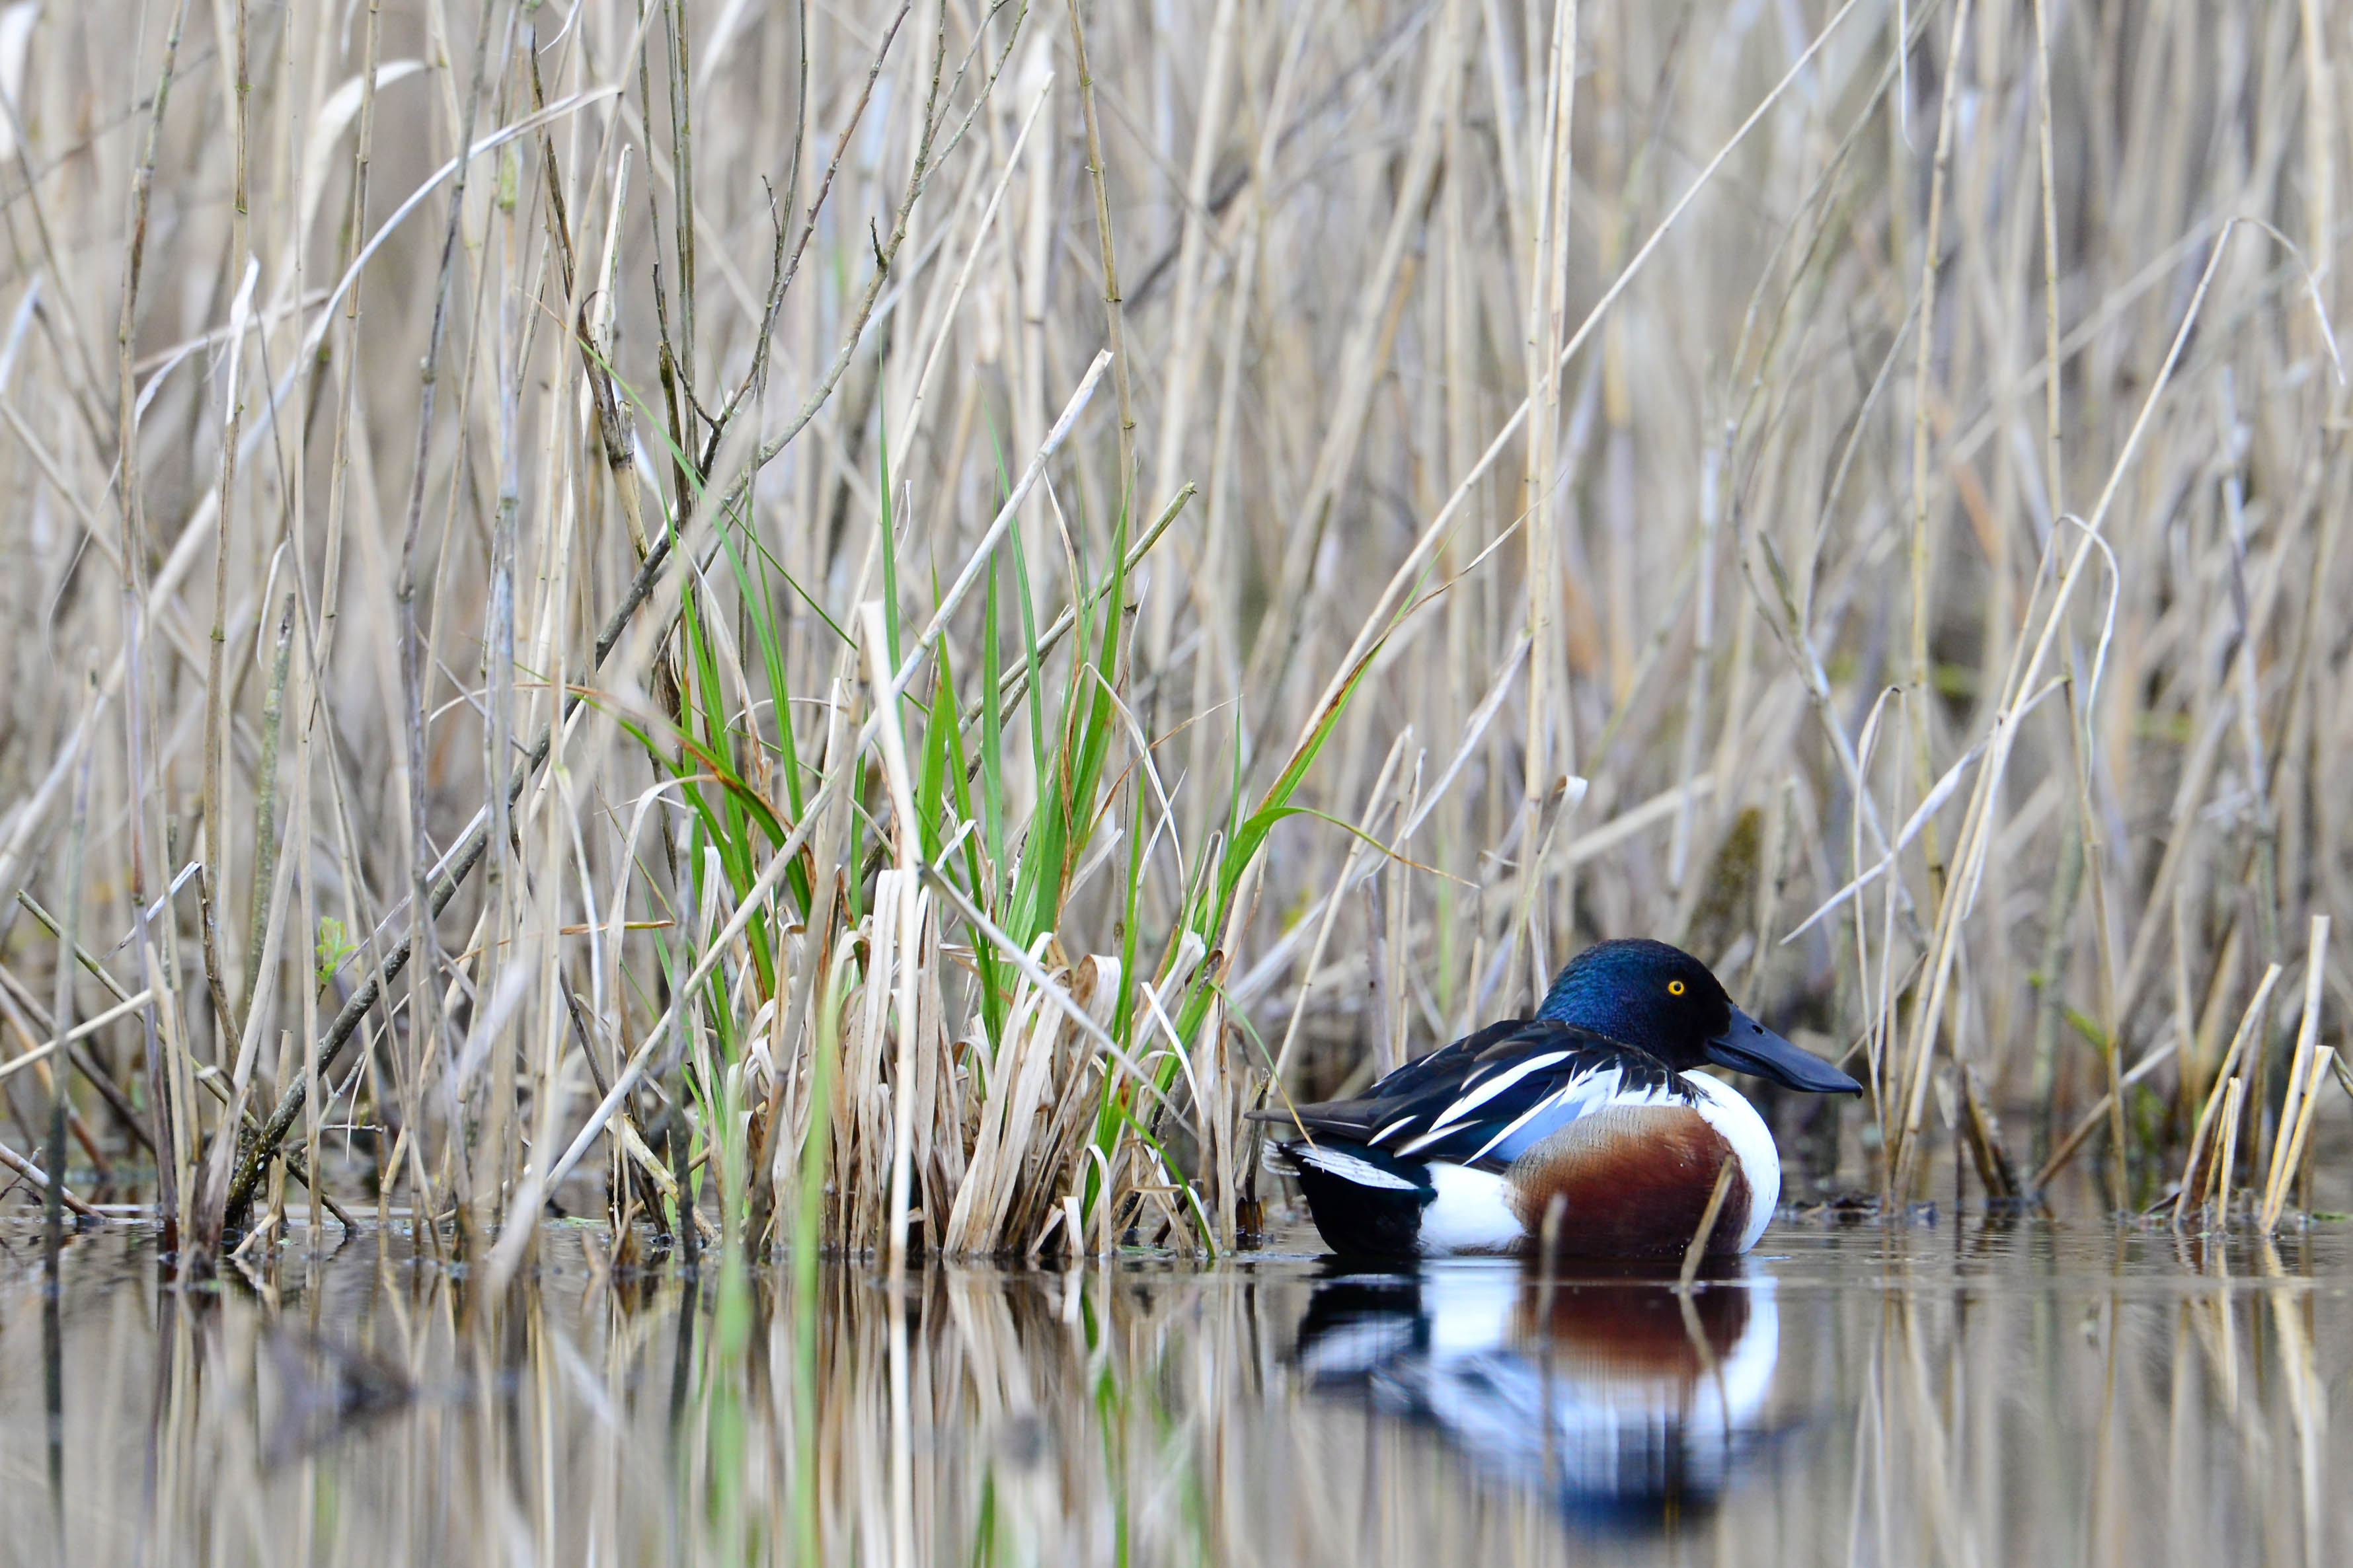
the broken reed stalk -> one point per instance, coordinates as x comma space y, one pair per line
1982, 1131
2233, 1104
2250, 1026
1696, 1253
2303, 1081
2323, 1058
81, 1031
55, 1192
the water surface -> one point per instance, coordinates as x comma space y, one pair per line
1977, 1391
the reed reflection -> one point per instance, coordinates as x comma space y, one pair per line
1879, 1402
1632, 1404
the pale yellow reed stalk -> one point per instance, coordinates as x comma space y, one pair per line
2303, 1081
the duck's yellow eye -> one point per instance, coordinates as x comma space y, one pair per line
1674, 987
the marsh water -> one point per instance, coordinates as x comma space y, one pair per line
1970, 1389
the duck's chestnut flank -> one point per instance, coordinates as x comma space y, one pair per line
1637, 1179
1592, 1110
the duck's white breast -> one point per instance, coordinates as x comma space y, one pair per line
1721, 1107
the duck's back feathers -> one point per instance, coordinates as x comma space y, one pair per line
1485, 1099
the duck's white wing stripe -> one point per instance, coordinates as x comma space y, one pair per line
1490, 1089
1558, 1097
1405, 1120
1581, 1097
1582, 1094
1574, 1087
1348, 1168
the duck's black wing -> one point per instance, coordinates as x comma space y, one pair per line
1483, 1100
1434, 1074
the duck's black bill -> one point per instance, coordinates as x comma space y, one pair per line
1748, 1046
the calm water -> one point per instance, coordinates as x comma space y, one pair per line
1974, 1392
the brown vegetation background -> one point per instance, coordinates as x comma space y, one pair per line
1651, 466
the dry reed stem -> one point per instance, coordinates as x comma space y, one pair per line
2303, 1081
2250, 1024
1696, 1253
909, 912
2231, 1104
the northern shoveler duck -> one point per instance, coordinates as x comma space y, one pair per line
1592, 1106
1632, 1404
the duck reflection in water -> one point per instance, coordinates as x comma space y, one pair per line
1633, 1403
